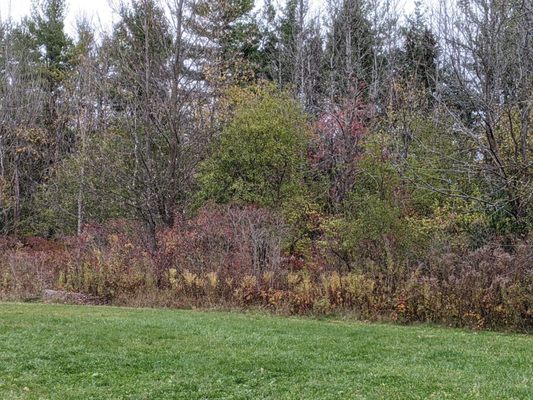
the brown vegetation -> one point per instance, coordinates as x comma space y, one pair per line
231, 257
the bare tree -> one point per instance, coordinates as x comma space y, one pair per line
160, 107
22, 141
487, 46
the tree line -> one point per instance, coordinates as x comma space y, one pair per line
119, 124
224, 151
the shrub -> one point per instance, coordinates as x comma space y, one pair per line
213, 260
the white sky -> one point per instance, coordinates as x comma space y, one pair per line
100, 11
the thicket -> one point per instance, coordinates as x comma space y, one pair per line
205, 156
235, 257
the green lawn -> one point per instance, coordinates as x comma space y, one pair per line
71, 352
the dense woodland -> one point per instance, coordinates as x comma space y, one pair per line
222, 153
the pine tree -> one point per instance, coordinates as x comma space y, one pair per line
420, 54
52, 48
350, 49
228, 39
269, 42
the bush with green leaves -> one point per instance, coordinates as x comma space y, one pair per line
260, 156
375, 226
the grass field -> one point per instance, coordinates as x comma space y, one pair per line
71, 352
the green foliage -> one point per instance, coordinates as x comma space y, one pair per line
412, 200
260, 155
131, 36
232, 36
350, 47
447, 176
47, 30
372, 221
92, 180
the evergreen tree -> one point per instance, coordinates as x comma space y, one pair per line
52, 49
227, 39
269, 42
294, 51
47, 28
420, 53
349, 56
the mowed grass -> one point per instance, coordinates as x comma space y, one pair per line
71, 352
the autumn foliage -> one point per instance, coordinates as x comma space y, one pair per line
234, 257
209, 155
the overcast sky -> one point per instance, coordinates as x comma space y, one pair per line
100, 11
